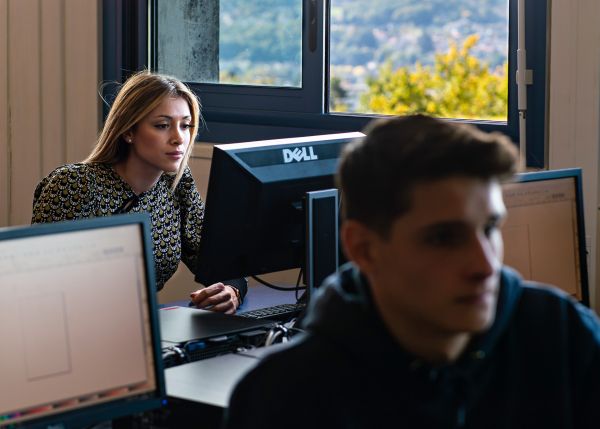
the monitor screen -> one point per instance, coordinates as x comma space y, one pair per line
255, 221
78, 322
544, 236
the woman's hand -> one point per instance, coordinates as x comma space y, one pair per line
216, 297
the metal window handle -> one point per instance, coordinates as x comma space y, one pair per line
312, 25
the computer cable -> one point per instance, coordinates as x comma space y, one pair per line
275, 333
292, 330
272, 286
282, 333
175, 354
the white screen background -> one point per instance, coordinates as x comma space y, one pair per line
72, 321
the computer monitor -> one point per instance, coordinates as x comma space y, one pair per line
78, 323
544, 236
258, 216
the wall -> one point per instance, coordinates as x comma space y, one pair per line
574, 113
49, 106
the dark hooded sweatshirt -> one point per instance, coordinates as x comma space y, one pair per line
537, 366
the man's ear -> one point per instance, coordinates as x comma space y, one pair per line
359, 243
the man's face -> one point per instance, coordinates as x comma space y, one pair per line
438, 271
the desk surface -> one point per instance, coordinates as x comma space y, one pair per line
208, 381
211, 381
258, 296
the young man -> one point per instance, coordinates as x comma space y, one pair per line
425, 327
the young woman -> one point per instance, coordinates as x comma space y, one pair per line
139, 164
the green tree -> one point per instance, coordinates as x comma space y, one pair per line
457, 85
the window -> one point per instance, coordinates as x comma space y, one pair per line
215, 42
276, 68
447, 58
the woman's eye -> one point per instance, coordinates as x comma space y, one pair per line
162, 126
186, 126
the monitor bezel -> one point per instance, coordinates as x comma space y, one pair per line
577, 175
120, 407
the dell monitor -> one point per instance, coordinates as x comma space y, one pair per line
78, 323
544, 236
259, 216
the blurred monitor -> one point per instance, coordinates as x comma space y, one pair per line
78, 322
258, 218
544, 236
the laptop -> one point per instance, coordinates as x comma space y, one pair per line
180, 325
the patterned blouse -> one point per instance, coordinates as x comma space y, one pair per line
78, 191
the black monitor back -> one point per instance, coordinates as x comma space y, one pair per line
254, 220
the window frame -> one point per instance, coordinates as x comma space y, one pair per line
242, 112
223, 98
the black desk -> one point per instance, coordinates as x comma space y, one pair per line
198, 392
203, 387
258, 296
211, 381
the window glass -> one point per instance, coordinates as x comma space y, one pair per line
447, 58
256, 42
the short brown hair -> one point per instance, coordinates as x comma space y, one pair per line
378, 172
138, 96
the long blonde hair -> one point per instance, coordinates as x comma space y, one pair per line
139, 95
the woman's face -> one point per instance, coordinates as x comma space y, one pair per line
159, 141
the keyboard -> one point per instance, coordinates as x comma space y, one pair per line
281, 312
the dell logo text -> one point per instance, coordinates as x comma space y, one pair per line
299, 154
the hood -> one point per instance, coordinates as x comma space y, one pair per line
342, 310
508, 298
